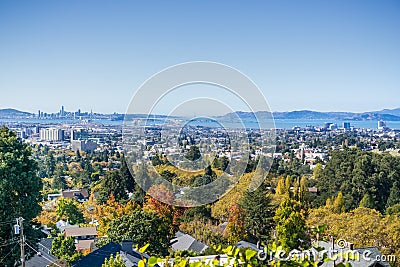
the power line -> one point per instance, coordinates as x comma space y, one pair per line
2, 260
8, 222
42, 254
9, 242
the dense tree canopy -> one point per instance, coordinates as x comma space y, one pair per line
290, 224
67, 209
142, 228
356, 173
362, 226
64, 248
259, 214
19, 190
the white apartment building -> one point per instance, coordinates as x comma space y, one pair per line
51, 134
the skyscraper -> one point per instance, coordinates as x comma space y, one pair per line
62, 112
346, 125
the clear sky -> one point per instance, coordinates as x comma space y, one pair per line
318, 55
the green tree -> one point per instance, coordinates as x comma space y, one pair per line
303, 191
290, 224
259, 214
338, 204
50, 164
354, 173
142, 228
139, 195
317, 172
367, 201
59, 178
395, 209
19, 190
113, 184
67, 209
126, 176
280, 188
394, 195
221, 163
64, 248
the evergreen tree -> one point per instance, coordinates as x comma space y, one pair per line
259, 213
287, 185
367, 201
19, 191
50, 164
290, 224
139, 194
59, 178
209, 172
338, 204
126, 175
303, 191
112, 184
394, 195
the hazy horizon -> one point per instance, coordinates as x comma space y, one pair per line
275, 111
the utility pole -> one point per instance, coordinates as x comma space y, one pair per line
22, 240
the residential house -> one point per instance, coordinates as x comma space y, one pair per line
81, 195
187, 242
97, 257
84, 237
43, 256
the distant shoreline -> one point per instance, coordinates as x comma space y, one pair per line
279, 123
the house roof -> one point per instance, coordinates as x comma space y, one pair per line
97, 257
44, 247
80, 231
75, 193
187, 242
46, 243
84, 244
40, 260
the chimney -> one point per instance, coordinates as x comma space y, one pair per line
127, 246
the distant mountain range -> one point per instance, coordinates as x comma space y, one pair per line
11, 113
385, 114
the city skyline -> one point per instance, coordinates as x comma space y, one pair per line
340, 56
93, 111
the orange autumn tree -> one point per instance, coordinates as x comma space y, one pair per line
235, 230
166, 211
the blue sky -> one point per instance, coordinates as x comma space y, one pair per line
318, 55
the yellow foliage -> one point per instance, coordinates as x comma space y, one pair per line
220, 209
111, 210
363, 227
